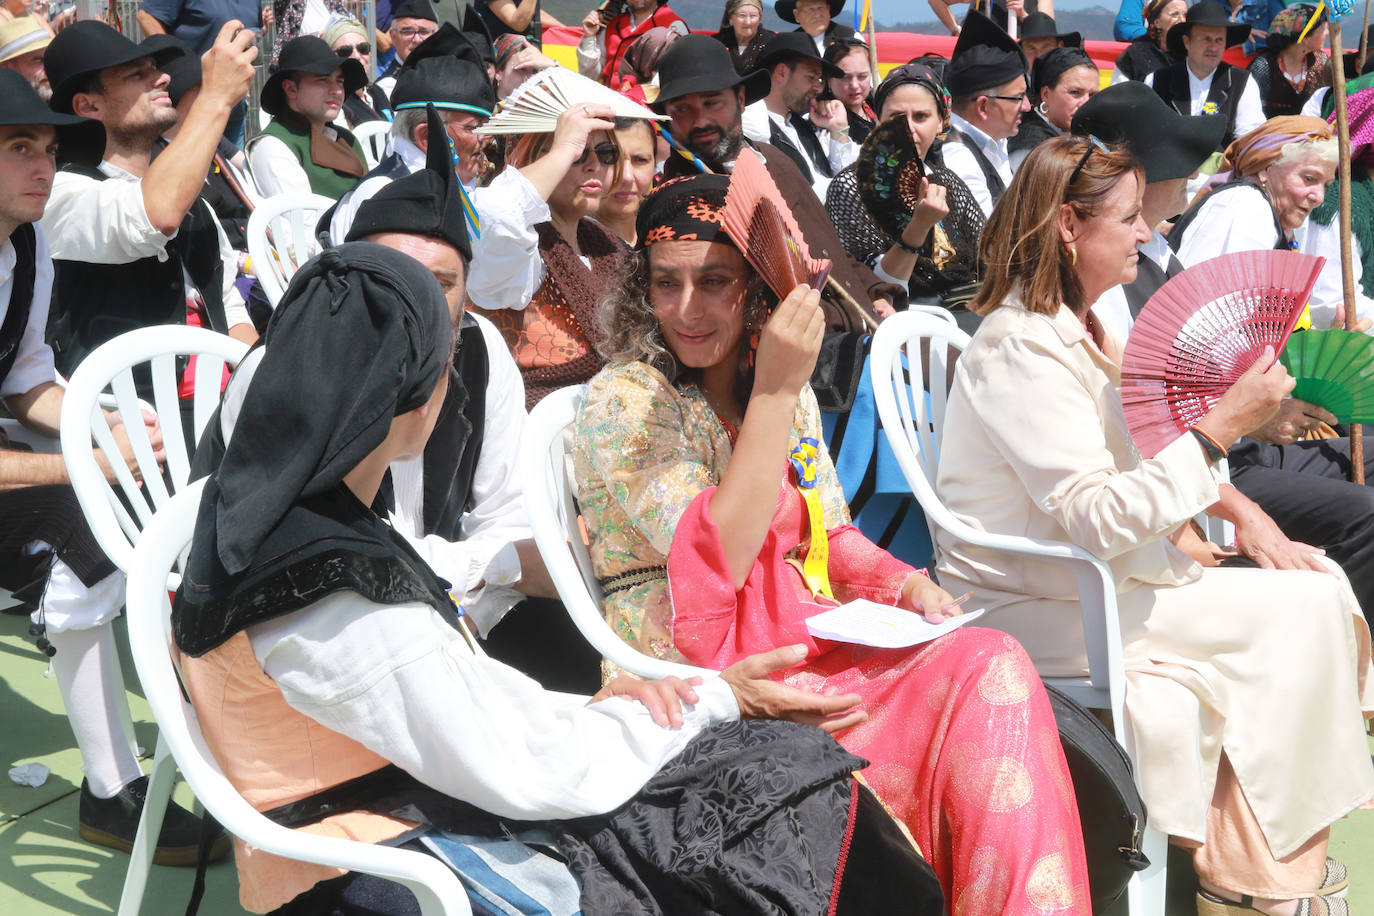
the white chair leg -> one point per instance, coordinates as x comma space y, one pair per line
1146, 893
149, 828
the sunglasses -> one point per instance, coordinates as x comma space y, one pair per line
361, 47
1093, 144
606, 153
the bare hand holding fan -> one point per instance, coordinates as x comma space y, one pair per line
535, 106
762, 227
1201, 331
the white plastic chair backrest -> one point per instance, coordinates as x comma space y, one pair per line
150, 641
553, 517
111, 368
373, 136
281, 237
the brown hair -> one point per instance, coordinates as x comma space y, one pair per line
1021, 248
532, 146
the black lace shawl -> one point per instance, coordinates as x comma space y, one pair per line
867, 242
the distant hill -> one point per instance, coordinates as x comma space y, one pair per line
704, 15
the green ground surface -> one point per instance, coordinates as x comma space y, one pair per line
45, 868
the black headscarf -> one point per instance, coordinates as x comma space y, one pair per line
360, 337
1053, 64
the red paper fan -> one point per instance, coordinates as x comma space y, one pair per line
761, 226
1201, 331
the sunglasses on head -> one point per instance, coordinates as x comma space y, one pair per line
606, 153
361, 47
1093, 144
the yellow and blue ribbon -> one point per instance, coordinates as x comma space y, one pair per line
816, 568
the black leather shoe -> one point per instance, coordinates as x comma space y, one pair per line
113, 822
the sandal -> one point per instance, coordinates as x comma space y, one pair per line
1208, 905
1335, 879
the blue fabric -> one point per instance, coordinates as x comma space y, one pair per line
511, 876
865, 445
197, 22
1130, 22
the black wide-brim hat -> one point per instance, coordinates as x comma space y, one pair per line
90, 46
1169, 145
1206, 14
1042, 25
79, 140
787, 9
308, 54
699, 63
789, 46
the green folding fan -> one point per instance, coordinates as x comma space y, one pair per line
1334, 369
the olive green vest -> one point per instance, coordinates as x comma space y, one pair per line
324, 181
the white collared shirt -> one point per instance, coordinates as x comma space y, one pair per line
959, 160
33, 364
1111, 309
1249, 111
756, 120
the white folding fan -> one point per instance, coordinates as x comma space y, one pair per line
535, 106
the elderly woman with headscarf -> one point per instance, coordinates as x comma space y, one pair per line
338, 686
937, 256
1062, 79
347, 37
1246, 689
1273, 178
742, 32
1292, 65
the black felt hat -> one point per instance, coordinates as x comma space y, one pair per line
446, 71
699, 63
79, 140
1042, 25
985, 56
183, 69
476, 31
787, 9
1168, 144
308, 54
1206, 14
414, 9
86, 47
427, 202
789, 46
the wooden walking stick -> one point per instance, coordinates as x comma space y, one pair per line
1364, 41
1347, 275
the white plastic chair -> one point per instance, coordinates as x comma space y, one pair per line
281, 237
553, 517
168, 538
373, 136
83, 422
914, 432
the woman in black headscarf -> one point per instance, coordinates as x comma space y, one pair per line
337, 684
1062, 79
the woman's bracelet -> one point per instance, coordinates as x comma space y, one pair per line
1214, 449
898, 243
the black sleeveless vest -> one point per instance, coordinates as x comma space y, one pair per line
1228, 82
1175, 236
93, 303
456, 444
996, 187
21, 297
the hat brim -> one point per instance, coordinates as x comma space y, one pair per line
62, 95
273, 97
787, 10
756, 86
828, 70
38, 44
1236, 33
1181, 147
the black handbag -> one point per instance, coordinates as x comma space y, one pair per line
1110, 808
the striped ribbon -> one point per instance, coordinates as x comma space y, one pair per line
816, 566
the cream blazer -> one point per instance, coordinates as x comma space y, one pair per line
1022, 455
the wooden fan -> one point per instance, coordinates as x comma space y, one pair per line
761, 226
535, 106
1201, 331
1333, 369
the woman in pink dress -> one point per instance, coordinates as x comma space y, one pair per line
704, 545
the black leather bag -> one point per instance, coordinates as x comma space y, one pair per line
1110, 808
839, 369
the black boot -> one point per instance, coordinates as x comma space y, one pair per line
113, 822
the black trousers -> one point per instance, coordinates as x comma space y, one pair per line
50, 514
538, 638
1306, 489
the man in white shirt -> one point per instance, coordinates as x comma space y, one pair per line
813, 134
987, 86
301, 147
1202, 83
131, 242
48, 555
